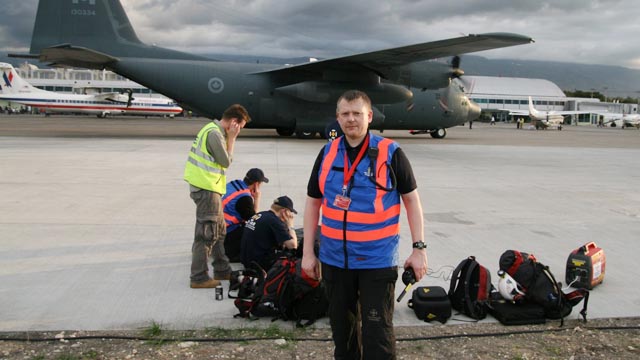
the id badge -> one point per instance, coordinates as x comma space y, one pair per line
342, 202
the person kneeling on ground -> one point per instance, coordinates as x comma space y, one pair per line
267, 233
241, 202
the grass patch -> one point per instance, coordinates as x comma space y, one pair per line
272, 331
154, 330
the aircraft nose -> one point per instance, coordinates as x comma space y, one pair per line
474, 111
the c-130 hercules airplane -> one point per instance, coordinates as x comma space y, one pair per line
408, 91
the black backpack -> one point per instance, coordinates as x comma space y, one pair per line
310, 300
540, 286
275, 296
470, 288
244, 289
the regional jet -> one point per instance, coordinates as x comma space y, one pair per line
16, 90
407, 88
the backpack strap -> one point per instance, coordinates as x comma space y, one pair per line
556, 289
575, 297
471, 307
456, 274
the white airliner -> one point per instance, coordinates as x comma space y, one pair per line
16, 90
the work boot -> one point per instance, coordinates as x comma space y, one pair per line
225, 277
211, 283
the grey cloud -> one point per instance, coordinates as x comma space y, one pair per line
570, 30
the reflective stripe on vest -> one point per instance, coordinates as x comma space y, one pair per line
370, 226
201, 169
235, 190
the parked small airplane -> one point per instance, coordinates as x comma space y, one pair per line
408, 92
16, 90
545, 119
622, 120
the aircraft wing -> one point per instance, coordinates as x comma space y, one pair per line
519, 112
381, 61
74, 56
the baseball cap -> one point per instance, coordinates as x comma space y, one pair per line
255, 175
285, 202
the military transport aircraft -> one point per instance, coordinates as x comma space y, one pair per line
408, 91
16, 90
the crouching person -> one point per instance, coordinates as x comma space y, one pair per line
267, 233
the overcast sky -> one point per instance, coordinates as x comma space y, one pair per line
592, 32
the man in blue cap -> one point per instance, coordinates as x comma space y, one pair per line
269, 232
240, 203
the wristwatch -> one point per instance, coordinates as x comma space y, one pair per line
419, 245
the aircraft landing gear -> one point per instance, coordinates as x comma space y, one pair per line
438, 133
284, 131
305, 134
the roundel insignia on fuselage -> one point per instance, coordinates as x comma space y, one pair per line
216, 85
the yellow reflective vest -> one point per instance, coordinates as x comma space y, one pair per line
201, 169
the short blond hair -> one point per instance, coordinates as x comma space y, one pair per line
351, 95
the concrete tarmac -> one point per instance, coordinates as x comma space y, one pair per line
96, 223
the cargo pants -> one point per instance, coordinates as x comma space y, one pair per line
361, 308
209, 236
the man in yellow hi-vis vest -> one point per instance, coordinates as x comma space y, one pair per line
210, 156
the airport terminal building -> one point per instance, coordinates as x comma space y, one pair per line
499, 95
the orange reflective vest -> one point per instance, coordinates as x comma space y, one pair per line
366, 235
235, 190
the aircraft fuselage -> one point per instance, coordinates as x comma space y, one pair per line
209, 87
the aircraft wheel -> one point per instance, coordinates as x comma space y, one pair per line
284, 131
439, 134
302, 134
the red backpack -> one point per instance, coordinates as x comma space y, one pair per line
470, 288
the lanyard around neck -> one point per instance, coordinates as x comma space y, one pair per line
348, 174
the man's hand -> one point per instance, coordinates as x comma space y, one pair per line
311, 266
418, 261
234, 130
287, 217
255, 190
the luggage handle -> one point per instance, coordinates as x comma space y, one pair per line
588, 246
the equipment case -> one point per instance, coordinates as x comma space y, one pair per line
431, 303
509, 313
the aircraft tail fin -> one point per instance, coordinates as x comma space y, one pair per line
12, 83
98, 25
532, 110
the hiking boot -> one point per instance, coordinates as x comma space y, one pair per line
225, 277
211, 283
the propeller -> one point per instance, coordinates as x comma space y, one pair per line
456, 72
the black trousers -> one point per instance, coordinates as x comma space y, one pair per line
361, 304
